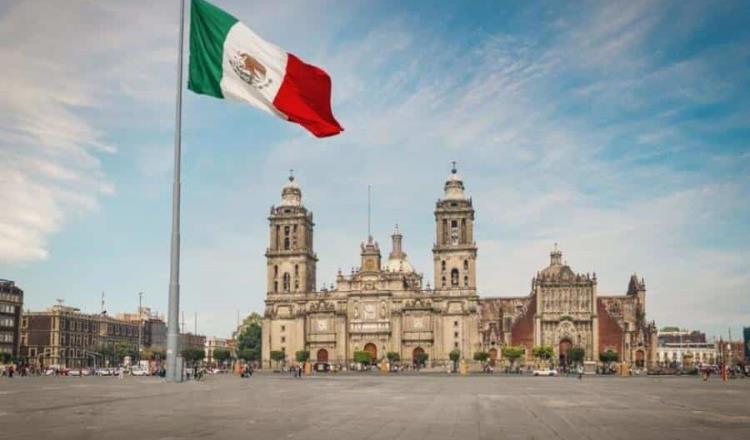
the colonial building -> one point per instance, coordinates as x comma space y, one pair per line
11, 303
564, 310
153, 328
382, 306
212, 343
65, 337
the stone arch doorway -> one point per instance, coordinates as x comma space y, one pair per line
373, 350
640, 359
564, 352
417, 356
322, 356
493, 356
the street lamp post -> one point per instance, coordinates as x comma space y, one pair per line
140, 324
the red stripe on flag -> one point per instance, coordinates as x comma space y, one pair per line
305, 97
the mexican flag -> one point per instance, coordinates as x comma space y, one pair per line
228, 60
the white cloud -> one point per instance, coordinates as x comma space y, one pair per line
59, 71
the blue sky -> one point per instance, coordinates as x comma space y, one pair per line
619, 130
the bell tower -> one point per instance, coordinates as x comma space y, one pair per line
289, 257
455, 251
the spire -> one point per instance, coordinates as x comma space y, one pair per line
396, 251
555, 257
369, 213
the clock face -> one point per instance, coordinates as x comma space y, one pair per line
321, 325
418, 324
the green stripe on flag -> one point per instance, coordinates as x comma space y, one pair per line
209, 27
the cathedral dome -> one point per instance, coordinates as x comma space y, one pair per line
556, 266
398, 265
397, 259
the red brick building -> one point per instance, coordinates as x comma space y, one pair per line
563, 311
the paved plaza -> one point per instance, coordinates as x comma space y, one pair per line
371, 406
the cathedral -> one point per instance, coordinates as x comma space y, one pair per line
384, 305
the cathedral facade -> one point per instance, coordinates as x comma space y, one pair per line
384, 306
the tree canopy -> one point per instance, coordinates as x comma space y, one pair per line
221, 355
249, 341
577, 354
362, 357
278, 355
421, 358
455, 355
543, 352
513, 353
192, 355
481, 356
393, 356
302, 356
609, 356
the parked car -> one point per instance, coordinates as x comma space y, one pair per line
139, 372
545, 372
104, 372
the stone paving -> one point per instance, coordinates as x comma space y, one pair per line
373, 406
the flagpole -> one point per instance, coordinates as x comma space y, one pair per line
174, 362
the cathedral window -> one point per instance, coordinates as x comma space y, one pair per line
442, 265
466, 281
296, 270
275, 271
296, 284
466, 264
463, 230
445, 231
294, 237
454, 231
277, 236
286, 238
443, 281
454, 277
275, 286
286, 282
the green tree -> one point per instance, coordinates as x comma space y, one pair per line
247, 354
221, 355
116, 352
193, 355
5, 358
420, 359
454, 356
543, 352
512, 354
302, 356
393, 356
362, 357
577, 354
278, 356
481, 356
609, 356
250, 337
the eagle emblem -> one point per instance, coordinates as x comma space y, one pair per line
250, 70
